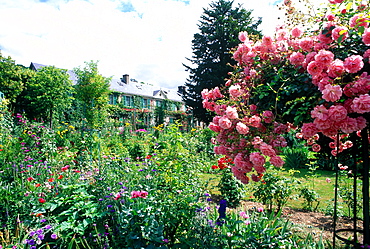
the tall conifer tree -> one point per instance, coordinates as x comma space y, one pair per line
219, 28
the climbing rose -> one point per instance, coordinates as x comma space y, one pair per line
276, 161
366, 37
353, 64
231, 112
224, 123
257, 159
297, 32
242, 128
332, 93
309, 130
361, 104
235, 91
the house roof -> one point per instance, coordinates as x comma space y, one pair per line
144, 89
132, 88
72, 75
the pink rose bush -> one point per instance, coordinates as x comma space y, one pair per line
335, 62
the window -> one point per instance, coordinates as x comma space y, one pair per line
146, 103
158, 103
113, 99
128, 101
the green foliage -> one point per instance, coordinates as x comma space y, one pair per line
92, 90
49, 94
219, 28
230, 188
274, 190
310, 197
13, 78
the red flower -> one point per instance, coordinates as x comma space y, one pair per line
37, 185
42, 200
30, 179
50, 179
214, 167
148, 156
60, 177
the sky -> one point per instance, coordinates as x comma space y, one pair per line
146, 39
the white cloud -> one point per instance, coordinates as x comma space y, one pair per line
150, 43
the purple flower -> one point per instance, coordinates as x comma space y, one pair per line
39, 231
41, 236
207, 194
53, 236
31, 242
47, 227
43, 220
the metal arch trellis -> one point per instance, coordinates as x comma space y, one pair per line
360, 151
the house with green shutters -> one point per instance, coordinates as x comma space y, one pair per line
143, 103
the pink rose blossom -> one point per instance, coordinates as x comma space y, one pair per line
267, 150
235, 91
255, 121
353, 64
242, 128
361, 104
268, 116
316, 147
296, 58
315, 68
320, 112
366, 54
215, 119
339, 33
225, 123
358, 20
243, 36
309, 130
324, 57
337, 113
231, 112
257, 159
336, 68
306, 44
214, 127
332, 93
366, 37
328, 180
277, 161
297, 32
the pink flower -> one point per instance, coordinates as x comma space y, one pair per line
267, 150
139, 194
235, 91
214, 127
316, 147
257, 159
268, 116
332, 93
353, 64
276, 161
243, 215
328, 180
324, 57
361, 104
366, 54
309, 130
315, 68
339, 33
320, 112
336, 68
297, 32
358, 20
306, 44
225, 123
255, 121
243, 36
260, 209
296, 58
366, 37
242, 128
337, 113
231, 112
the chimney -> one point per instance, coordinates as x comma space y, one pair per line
125, 78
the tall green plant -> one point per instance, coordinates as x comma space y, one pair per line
92, 90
